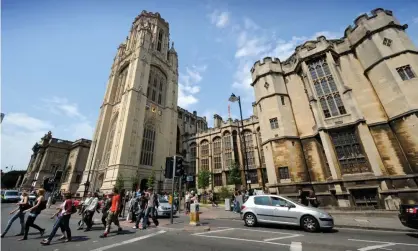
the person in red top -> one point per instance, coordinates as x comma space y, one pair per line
113, 213
62, 221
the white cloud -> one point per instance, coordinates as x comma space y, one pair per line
188, 85
250, 24
21, 131
25, 122
61, 105
219, 19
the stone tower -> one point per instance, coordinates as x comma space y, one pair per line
137, 124
276, 119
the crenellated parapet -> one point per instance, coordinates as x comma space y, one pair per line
366, 25
267, 65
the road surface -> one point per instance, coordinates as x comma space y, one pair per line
225, 235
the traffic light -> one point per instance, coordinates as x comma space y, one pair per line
179, 167
168, 172
184, 179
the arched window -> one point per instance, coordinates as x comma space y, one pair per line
248, 137
204, 155
217, 150
227, 149
326, 88
121, 83
157, 83
148, 142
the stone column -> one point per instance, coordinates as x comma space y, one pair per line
372, 153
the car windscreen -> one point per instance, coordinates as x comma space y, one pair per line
162, 200
12, 193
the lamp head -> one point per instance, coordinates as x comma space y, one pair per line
233, 98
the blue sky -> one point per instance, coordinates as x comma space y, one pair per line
56, 55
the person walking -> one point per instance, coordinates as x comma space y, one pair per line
19, 212
139, 210
107, 202
113, 213
187, 202
150, 196
63, 220
34, 212
83, 212
92, 207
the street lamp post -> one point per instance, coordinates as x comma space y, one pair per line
234, 98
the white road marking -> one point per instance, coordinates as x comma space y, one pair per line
129, 241
296, 246
238, 239
215, 231
375, 230
386, 248
375, 247
262, 231
283, 237
385, 242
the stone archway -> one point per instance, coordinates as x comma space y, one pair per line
143, 185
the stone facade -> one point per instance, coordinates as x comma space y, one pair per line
138, 122
337, 118
58, 158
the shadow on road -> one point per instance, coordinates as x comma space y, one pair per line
413, 235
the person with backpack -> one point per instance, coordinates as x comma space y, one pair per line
33, 213
63, 220
19, 213
112, 217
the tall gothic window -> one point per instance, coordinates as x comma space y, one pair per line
121, 83
349, 151
157, 82
109, 140
326, 89
148, 142
248, 137
160, 40
217, 153
204, 148
227, 149
204, 155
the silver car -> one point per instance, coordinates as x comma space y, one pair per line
282, 210
164, 207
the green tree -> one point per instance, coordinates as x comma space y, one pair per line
119, 183
151, 179
135, 180
234, 175
203, 179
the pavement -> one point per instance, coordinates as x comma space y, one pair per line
377, 220
213, 235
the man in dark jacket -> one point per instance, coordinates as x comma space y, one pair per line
107, 202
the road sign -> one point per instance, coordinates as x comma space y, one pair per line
189, 178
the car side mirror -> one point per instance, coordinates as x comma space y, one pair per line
291, 206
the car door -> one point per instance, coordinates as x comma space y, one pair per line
283, 211
263, 208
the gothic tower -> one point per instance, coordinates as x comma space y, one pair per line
137, 124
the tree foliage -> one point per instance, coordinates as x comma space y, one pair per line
203, 179
151, 179
234, 175
9, 179
135, 180
120, 184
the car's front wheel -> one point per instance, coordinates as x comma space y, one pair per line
250, 220
309, 224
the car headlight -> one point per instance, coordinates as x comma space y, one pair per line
325, 215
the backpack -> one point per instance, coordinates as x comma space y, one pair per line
73, 209
42, 205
